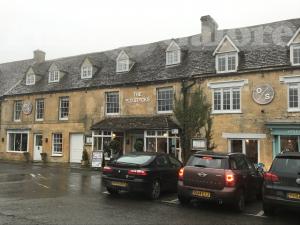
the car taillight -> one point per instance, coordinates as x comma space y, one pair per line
107, 169
229, 178
137, 172
271, 177
180, 174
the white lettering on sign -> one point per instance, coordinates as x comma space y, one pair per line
138, 97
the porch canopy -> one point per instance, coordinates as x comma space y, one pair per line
129, 123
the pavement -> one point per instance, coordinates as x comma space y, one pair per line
36, 193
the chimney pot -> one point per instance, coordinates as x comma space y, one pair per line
209, 29
39, 56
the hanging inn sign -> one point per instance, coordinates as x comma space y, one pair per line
138, 98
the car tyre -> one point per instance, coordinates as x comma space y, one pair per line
112, 191
183, 200
239, 204
155, 190
268, 209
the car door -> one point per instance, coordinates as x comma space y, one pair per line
255, 179
176, 165
242, 166
163, 169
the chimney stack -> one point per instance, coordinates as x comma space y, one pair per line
39, 56
209, 29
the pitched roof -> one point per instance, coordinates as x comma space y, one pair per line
136, 123
197, 59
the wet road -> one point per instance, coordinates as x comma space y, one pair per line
33, 194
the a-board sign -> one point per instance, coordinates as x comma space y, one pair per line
97, 157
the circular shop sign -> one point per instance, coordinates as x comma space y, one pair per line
263, 94
27, 108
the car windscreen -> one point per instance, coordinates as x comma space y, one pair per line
206, 162
135, 159
288, 165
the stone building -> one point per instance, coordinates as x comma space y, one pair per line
251, 76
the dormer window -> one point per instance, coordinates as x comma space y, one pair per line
295, 54
226, 62
294, 45
86, 69
173, 54
122, 62
226, 55
53, 76
30, 77
86, 72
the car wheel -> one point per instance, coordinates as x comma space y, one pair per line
183, 200
154, 192
112, 191
268, 209
239, 204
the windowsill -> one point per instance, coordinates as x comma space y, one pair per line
63, 119
164, 112
297, 64
17, 121
53, 82
86, 78
229, 71
112, 114
39, 120
18, 152
56, 155
172, 65
293, 110
226, 112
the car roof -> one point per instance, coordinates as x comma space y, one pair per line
145, 153
218, 154
288, 154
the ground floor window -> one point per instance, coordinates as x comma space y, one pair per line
289, 143
17, 141
247, 146
57, 144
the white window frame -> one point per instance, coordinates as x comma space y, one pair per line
16, 132
231, 84
244, 146
291, 80
106, 108
122, 65
53, 139
60, 107
37, 109
15, 112
157, 108
170, 57
226, 56
29, 79
86, 72
54, 76
292, 48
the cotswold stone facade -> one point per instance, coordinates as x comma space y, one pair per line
251, 77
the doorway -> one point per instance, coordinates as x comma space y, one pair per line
38, 147
137, 137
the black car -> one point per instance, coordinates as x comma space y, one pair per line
217, 177
282, 183
150, 173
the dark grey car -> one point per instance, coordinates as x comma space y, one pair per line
282, 183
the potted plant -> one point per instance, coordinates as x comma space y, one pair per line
115, 146
26, 156
44, 156
85, 158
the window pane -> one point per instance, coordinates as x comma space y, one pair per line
165, 99
18, 110
217, 100
236, 99
236, 146
40, 109
293, 97
226, 99
64, 108
151, 145
231, 63
296, 55
57, 143
252, 150
162, 145
112, 102
221, 63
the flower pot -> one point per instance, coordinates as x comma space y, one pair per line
26, 156
44, 156
84, 163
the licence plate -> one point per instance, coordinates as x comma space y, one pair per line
119, 184
201, 194
293, 196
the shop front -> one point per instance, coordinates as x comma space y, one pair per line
148, 134
286, 136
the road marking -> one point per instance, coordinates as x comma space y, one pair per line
33, 175
261, 213
105, 192
41, 176
174, 201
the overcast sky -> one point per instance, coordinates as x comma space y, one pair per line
70, 27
